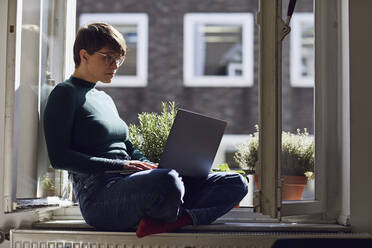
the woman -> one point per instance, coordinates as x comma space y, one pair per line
86, 136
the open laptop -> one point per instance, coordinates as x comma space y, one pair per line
192, 143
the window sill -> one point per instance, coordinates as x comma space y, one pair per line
238, 220
40, 205
217, 227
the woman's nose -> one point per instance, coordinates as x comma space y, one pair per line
114, 65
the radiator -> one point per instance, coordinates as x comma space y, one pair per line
94, 239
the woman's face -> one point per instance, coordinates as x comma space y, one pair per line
103, 64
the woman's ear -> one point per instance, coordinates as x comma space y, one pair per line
83, 55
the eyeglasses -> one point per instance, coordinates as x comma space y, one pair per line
109, 59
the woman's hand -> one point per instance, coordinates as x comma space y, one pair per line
139, 165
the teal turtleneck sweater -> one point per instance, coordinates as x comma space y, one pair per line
83, 130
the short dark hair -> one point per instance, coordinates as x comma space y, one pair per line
95, 36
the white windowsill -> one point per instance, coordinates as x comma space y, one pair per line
237, 220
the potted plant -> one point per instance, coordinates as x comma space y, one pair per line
151, 134
48, 186
297, 160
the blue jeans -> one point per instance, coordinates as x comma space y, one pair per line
120, 202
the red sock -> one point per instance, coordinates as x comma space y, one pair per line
148, 226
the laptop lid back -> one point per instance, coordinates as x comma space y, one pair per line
192, 143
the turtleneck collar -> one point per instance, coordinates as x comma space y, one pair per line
82, 82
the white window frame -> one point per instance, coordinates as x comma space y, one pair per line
243, 19
326, 131
62, 12
328, 84
296, 79
139, 19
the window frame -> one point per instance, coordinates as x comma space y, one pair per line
327, 113
296, 79
325, 116
247, 23
12, 77
139, 19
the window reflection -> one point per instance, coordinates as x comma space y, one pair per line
218, 50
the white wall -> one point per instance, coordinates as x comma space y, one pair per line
360, 20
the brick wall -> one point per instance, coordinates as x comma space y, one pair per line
239, 106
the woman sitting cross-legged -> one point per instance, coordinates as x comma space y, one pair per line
86, 136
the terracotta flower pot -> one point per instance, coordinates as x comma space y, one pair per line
256, 181
292, 189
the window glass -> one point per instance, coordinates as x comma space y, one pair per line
298, 144
302, 50
134, 28
218, 53
130, 33
42, 64
215, 49
218, 50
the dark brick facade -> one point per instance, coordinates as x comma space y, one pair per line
165, 68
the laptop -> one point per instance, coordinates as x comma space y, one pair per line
192, 143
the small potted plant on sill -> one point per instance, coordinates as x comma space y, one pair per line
151, 134
297, 160
48, 187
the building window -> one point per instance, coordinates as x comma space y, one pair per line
134, 28
218, 50
302, 50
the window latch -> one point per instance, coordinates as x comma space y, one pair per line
284, 27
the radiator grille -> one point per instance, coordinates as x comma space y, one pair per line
84, 239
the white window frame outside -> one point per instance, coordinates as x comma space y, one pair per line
139, 19
243, 19
296, 79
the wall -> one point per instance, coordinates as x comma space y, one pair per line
360, 20
165, 79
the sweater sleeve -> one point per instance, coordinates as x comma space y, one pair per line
134, 153
58, 122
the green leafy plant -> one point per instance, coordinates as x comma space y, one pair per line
226, 168
297, 153
48, 184
151, 134
247, 153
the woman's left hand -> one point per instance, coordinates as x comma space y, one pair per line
139, 165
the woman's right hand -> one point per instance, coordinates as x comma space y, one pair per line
139, 165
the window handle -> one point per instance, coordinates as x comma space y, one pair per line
290, 10
284, 27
